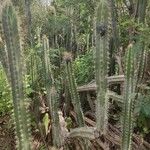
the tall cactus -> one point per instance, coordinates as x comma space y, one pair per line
135, 65
12, 39
101, 64
4, 59
128, 99
73, 89
52, 95
133, 76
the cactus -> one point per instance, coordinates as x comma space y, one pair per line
52, 96
12, 39
128, 99
140, 56
133, 76
73, 89
4, 59
141, 10
135, 65
101, 65
74, 94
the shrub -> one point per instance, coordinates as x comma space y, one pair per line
84, 68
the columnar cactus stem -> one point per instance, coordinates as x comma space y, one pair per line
101, 66
135, 61
4, 59
12, 39
140, 59
52, 96
73, 90
128, 99
135, 65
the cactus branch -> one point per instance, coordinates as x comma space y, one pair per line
12, 39
73, 90
52, 96
101, 65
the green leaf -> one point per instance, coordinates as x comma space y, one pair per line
46, 121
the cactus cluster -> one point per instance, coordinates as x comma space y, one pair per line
12, 62
14, 54
135, 65
135, 60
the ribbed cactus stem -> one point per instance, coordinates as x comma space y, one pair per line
141, 10
140, 59
101, 64
135, 62
135, 65
73, 90
128, 99
11, 34
4, 59
52, 95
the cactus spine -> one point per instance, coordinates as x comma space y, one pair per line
73, 89
101, 65
52, 96
12, 39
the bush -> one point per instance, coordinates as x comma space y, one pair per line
5, 97
84, 68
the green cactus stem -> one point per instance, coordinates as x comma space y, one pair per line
101, 65
128, 99
135, 60
135, 65
52, 95
4, 59
12, 39
73, 89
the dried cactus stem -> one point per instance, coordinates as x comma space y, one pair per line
85, 132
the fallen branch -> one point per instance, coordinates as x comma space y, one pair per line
84, 132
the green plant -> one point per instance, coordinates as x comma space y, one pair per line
5, 98
4, 58
12, 39
135, 60
144, 114
101, 64
52, 95
73, 89
128, 100
84, 68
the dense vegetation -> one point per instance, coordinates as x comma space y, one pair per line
75, 74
